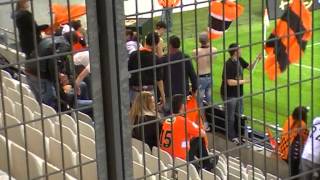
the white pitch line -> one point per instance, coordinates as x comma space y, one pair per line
315, 44
306, 66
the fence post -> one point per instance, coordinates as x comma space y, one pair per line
110, 88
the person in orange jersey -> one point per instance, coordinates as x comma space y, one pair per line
183, 138
222, 13
287, 42
294, 136
167, 12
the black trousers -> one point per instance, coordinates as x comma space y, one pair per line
199, 150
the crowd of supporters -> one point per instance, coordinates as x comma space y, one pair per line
59, 80
162, 83
163, 87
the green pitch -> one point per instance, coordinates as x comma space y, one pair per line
279, 100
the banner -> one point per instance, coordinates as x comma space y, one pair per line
277, 7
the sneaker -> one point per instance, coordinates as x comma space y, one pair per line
236, 141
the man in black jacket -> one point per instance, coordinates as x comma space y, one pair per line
177, 75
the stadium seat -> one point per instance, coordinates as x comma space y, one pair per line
57, 176
237, 173
272, 177
4, 154
35, 141
14, 95
10, 83
49, 111
182, 174
152, 163
4, 90
86, 130
139, 171
257, 170
6, 74
15, 134
83, 117
219, 172
89, 171
28, 115
69, 122
88, 147
136, 156
193, 173
31, 103
257, 176
55, 156
9, 107
4, 176
49, 128
19, 164
165, 157
140, 145
223, 167
69, 138
206, 175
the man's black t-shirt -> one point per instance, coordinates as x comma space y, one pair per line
146, 60
233, 70
25, 22
179, 72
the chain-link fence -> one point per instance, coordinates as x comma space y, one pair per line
179, 89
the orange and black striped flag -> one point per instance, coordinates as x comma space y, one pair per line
222, 13
287, 42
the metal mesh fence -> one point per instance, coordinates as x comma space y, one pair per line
236, 102
179, 89
47, 126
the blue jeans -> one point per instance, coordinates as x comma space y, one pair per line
233, 106
47, 95
166, 17
205, 84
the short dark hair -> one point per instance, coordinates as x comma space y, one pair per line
161, 24
152, 37
233, 48
174, 41
177, 102
76, 24
300, 113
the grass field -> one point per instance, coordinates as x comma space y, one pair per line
279, 100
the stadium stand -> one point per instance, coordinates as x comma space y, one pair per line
27, 136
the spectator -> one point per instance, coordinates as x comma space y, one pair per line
77, 26
27, 28
143, 110
204, 57
294, 136
181, 143
161, 28
132, 41
311, 153
146, 58
81, 61
232, 87
177, 75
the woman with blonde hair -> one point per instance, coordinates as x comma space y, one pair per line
143, 110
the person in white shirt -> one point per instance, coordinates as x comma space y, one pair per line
311, 152
82, 59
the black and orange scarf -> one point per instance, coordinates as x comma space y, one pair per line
291, 129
